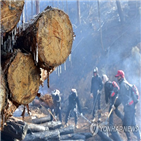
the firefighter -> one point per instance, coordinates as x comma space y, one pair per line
111, 92
73, 105
96, 87
129, 122
56, 109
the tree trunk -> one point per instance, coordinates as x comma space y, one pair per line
14, 128
49, 36
52, 125
36, 128
10, 14
41, 120
43, 136
37, 7
133, 8
3, 94
23, 78
120, 12
78, 12
87, 135
74, 136
9, 110
66, 130
4, 57
32, 8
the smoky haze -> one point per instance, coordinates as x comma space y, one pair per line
101, 40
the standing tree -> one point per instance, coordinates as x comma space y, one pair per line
37, 7
120, 12
78, 12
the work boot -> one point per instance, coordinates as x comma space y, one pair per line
129, 139
94, 119
99, 119
66, 124
76, 126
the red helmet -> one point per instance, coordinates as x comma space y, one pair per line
120, 73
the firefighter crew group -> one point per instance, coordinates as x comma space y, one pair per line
115, 94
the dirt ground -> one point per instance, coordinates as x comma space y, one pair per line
83, 125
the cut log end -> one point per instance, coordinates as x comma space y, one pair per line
54, 37
23, 79
10, 14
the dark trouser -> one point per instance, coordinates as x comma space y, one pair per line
103, 136
96, 103
117, 112
115, 135
67, 115
57, 111
129, 121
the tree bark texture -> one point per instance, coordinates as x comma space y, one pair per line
3, 94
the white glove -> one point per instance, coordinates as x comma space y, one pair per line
113, 107
91, 95
81, 114
75, 110
98, 91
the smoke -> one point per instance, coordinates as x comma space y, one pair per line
87, 52
132, 67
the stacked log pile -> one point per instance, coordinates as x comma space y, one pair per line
30, 53
53, 131
43, 131
14, 129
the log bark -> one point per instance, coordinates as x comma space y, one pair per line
66, 130
87, 135
36, 128
3, 94
14, 128
74, 136
43, 136
5, 56
10, 14
23, 78
73, 140
9, 110
52, 125
41, 120
49, 36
